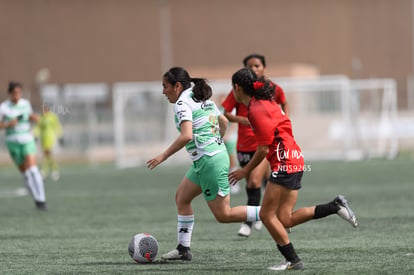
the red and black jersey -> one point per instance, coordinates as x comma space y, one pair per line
274, 129
246, 141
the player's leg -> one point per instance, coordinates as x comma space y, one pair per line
215, 186
285, 213
272, 202
44, 165
18, 154
186, 192
33, 174
48, 142
220, 207
54, 167
290, 218
253, 191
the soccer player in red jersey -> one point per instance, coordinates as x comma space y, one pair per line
246, 141
273, 132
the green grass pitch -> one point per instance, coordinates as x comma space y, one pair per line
94, 212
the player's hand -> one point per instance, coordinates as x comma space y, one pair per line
236, 175
152, 163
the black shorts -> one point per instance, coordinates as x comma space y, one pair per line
244, 157
290, 181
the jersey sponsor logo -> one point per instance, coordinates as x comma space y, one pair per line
180, 102
207, 105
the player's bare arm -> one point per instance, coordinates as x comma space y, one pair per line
237, 119
185, 136
8, 124
223, 122
34, 117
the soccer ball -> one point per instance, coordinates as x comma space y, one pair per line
143, 248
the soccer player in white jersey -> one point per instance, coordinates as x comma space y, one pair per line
16, 114
201, 127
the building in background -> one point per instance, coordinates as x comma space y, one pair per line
136, 40
84, 49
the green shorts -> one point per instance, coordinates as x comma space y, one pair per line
211, 174
19, 151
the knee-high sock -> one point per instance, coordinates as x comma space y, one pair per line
34, 182
253, 213
185, 229
253, 199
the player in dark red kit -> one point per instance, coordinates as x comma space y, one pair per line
246, 141
273, 132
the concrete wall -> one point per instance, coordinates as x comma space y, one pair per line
120, 40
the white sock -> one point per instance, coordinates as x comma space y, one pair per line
253, 213
34, 182
184, 229
30, 183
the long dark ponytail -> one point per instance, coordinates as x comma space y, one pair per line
201, 90
253, 86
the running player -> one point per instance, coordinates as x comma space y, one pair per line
201, 128
246, 141
49, 130
273, 131
15, 116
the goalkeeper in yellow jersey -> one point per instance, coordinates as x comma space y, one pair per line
48, 130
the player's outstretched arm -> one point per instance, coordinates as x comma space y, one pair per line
34, 117
185, 136
236, 119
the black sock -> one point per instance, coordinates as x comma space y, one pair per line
182, 248
323, 210
253, 199
289, 253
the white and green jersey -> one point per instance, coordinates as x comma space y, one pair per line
204, 117
21, 133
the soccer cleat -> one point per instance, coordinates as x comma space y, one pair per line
244, 230
258, 225
180, 253
345, 212
286, 265
41, 205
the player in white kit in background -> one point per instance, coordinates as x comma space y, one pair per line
16, 115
